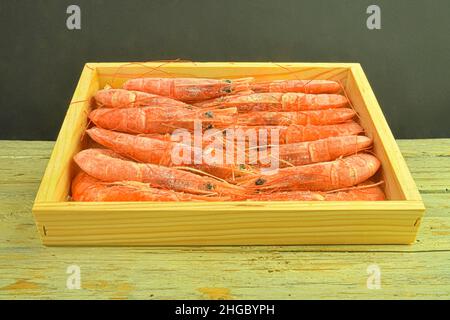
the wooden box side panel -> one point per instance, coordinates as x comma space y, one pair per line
115, 74
55, 184
275, 223
399, 184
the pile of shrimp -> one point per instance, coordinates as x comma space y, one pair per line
323, 154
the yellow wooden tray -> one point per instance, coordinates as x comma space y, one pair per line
62, 222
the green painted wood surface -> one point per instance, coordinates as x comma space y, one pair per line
30, 270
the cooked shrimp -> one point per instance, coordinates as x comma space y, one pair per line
162, 152
87, 188
108, 166
373, 193
120, 98
305, 86
297, 133
323, 150
315, 117
188, 89
275, 101
323, 176
160, 119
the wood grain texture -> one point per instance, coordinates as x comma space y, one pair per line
223, 223
30, 270
375, 126
60, 169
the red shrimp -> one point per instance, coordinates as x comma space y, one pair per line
328, 149
161, 151
108, 166
323, 176
87, 188
188, 89
305, 86
160, 119
296, 133
373, 193
120, 98
275, 101
315, 117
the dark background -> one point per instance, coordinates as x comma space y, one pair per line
407, 61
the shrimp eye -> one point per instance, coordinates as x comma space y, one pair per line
260, 182
209, 114
242, 166
227, 81
209, 186
227, 90
209, 126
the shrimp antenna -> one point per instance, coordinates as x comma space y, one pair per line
200, 172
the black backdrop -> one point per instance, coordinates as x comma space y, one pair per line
407, 61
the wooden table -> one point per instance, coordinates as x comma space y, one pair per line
30, 270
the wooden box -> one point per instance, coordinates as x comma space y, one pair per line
62, 222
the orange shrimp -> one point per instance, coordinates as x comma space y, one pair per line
328, 149
168, 137
275, 101
305, 86
296, 133
159, 151
87, 188
323, 176
138, 148
108, 166
120, 98
188, 89
355, 194
226, 171
317, 117
160, 119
